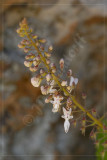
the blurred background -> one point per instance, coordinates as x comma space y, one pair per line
77, 31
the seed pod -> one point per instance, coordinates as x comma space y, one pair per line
61, 62
28, 63
69, 73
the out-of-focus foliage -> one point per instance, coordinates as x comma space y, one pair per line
101, 151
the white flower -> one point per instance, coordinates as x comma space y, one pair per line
36, 81
56, 103
47, 89
64, 83
73, 80
67, 116
48, 77
51, 90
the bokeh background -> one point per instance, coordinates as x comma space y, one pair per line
77, 30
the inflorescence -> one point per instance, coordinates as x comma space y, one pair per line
59, 91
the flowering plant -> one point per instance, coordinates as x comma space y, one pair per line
59, 91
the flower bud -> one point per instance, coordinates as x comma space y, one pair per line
47, 100
50, 48
42, 72
37, 58
83, 121
48, 77
47, 54
33, 68
93, 135
21, 45
105, 144
53, 67
26, 50
42, 40
42, 48
83, 130
61, 62
69, 73
30, 56
18, 30
69, 102
74, 122
36, 81
37, 44
97, 143
34, 36
28, 63
84, 96
64, 83
94, 112
47, 61
103, 154
44, 90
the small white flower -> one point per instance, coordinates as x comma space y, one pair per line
36, 81
67, 116
51, 90
56, 103
64, 83
48, 77
73, 80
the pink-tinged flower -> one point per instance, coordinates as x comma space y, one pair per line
56, 103
67, 116
73, 81
36, 81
